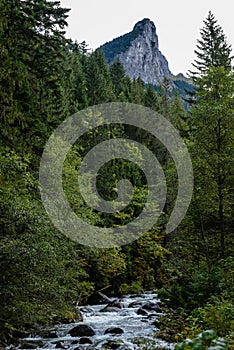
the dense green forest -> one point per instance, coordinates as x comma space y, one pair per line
45, 78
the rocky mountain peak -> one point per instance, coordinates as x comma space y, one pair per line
145, 24
147, 29
138, 51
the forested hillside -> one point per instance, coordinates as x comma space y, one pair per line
45, 78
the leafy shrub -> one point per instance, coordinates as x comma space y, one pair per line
193, 288
218, 314
134, 287
207, 340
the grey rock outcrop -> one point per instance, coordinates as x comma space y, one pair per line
139, 53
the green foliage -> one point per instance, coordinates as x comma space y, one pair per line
34, 81
201, 300
227, 277
207, 340
144, 259
109, 265
151, 98
99, 86
217, 314
137, 91
42, 273
121, 83
172, 325
192, 287
133, 287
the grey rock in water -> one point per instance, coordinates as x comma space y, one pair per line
116, 303
134, 304
82, 330
112, 306
152, 307
142, 312
60, 345
139, 53
85, 340
110, 309
114, 330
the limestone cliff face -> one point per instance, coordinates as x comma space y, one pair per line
138, 51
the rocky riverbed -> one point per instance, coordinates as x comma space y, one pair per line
128, 323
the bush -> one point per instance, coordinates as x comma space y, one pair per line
217, 314
134, 287
207, 340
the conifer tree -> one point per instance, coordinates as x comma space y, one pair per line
99, 85
212, 49
151, 98
178, 116
164, 99
117, 76
212, 148
121, 83
212, 132
137, 91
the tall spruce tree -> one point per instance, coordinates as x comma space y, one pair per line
212, 49
213, 132
117, 76
151, 98
99, 85
121, 83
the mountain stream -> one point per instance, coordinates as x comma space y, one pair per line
125, 324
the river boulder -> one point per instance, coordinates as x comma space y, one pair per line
60, 345
116, 303
112, 306
152, 307
135, 304
85, 340
82, 330
110, 309
114, 330
142, 312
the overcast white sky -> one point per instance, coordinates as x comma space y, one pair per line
177, 23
